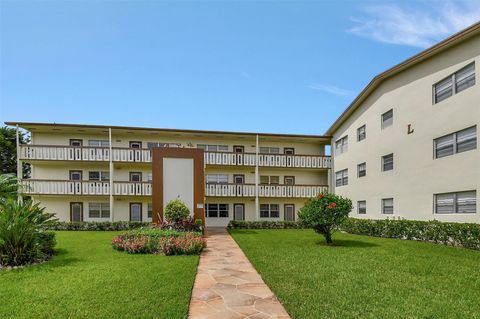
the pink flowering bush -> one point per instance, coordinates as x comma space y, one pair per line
186, 224
190, 244
158, 241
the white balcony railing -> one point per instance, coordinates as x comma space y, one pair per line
56, 187
70, 153
59, 187
248, 190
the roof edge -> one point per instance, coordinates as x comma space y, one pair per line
417, 58
166, 130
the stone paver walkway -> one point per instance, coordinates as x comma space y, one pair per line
228, 287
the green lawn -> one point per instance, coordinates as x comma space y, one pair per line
364, 277
88, 279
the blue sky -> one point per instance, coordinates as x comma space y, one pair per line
266, 66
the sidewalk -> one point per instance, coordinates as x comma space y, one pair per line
228, 287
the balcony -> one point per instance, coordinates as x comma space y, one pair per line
66, 187
130, 155
59, 187
248, 190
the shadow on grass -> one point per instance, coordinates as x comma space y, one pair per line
61, 259
346, 243
243, 231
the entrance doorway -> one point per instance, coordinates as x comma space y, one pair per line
239, 211
289, 212
76, 212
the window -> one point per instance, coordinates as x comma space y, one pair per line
264, 179
217, 178
135, 176
269, 210
362, 169
99, 210
456, 203
216, 210
270, 150
461, 141
238, 148
149, 210
76, 143
341, 145
149, 177
98, 143
387, 206
387, 162
361, 133
289, 151
98, 176
361, 207
151, 145
213, 148
239, 179
75, 175
135, 144
341, 177
387, 119
289, 180
463, 79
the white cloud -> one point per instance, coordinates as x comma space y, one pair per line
330, 89
414, 26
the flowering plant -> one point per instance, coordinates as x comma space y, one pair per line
325, 213
155, 241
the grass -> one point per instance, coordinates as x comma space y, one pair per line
364, 277
88, 279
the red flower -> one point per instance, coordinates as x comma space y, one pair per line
332, 205
320, 195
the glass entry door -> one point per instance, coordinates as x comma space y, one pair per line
289, 212
76, 212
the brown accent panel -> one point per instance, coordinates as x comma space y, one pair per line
158, 154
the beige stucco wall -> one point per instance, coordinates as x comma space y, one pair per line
416, 175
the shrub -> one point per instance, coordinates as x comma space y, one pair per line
325, 213
176, 210
452, 234
187, 224
23, 235
154, 240
98, 226
8, 186
265, 224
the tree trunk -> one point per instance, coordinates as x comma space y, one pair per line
328, 236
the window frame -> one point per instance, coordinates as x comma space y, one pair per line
359, 211
101, 177
102, 207
343, 178
455, 203
383, 162
452, 78
212, 210
384, 206
213, 147
341, 145
386, 125
364, 171
454, 144
359, 136
271, 213
215, 178
101, 143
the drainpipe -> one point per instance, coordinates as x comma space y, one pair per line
110, 157
257, 215
19, 167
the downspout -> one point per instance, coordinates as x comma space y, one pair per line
257, 215
110, 158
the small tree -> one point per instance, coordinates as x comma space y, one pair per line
176, 211
325, 213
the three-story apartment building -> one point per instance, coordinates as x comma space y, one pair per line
104, 173
407, 145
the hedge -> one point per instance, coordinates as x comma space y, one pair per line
451, 234
264, 224
104, 226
